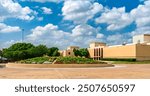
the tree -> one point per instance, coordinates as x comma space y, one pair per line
53, 51
81, 52
40, 50
18, 51
0, 53
76, 52
84, 52
20, 46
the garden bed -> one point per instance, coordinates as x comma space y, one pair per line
58, 62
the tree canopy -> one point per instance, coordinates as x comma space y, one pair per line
53, 51
81, 52
0, 52
20, 51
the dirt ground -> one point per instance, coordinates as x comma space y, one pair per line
121, 71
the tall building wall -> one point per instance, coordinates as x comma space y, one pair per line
127, 51
143, 52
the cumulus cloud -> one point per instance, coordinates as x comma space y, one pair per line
40, 18
116, 18
142, 14
7, 44
141, 30
118, 38
80, 11
46, 10
84, 30
50, 35
8, 29
10, 9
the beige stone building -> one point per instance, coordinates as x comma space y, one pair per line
69, 51
139, 49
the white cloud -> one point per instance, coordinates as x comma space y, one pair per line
10, 9
50, 35
84, 30
6, 44
115, 18
141, 30
99, 36
8, 29
40, 18
80, 11
141, 14
46, 10
117, 38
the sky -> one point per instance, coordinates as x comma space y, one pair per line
63, 23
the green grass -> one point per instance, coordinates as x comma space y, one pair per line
61, 60
77, 60
38, 60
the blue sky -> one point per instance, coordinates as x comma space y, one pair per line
62, 23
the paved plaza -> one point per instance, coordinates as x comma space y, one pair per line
120, 71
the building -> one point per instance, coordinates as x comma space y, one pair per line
139, 49
145, 38
69, 51
96, 50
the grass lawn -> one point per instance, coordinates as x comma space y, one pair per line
61, 60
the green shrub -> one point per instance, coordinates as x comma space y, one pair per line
61, 60
76, 60
38, 60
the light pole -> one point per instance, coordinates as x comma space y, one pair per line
22, 39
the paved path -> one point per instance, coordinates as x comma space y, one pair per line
123, 71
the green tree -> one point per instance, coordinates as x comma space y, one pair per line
53, 51
81, 52
0, 53
17, 51
84, 52
40, 50
56, 53
20, 46
76, 52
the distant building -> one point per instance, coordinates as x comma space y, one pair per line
139, 49
69, 51
145, 38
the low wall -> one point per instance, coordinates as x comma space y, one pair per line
14, 65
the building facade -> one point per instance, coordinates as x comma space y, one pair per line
139, 49
68, 51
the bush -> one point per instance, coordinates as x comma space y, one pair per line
76, 60
61, 60
38, 60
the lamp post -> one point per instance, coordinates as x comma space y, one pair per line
22, 39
